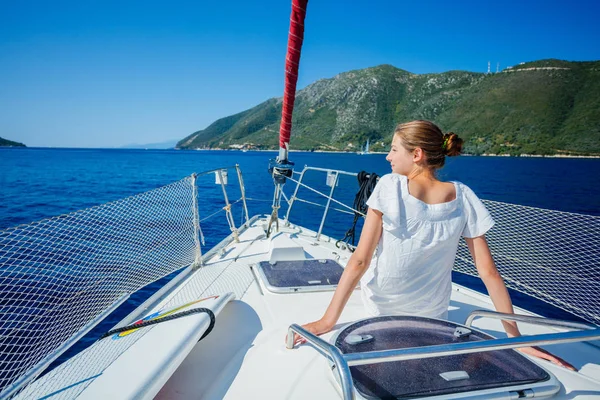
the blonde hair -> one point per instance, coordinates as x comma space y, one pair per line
435, 144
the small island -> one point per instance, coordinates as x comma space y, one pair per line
10, 143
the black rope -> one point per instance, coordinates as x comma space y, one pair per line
366, 184
211, 315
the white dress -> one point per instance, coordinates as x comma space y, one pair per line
410, 273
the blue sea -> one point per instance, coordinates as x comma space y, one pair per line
38, 183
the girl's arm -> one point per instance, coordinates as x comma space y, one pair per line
499, 294
355, 268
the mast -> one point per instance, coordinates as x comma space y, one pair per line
281, 168
292, 62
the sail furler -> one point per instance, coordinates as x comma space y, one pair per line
292, 62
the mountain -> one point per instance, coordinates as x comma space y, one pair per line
541, 107
10, 143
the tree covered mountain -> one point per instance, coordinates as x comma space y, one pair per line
10, 143
541, 107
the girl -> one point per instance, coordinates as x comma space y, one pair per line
413, 225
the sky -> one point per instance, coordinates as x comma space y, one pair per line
112, 73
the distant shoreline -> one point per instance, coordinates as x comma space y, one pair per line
303, 151
535, 155
385, 152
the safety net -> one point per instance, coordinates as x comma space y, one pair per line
550, 255
58, 276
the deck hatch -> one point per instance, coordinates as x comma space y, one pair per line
500, 369
311, 275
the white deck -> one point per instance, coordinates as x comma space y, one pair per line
245, 356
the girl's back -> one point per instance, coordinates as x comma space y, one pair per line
432, 191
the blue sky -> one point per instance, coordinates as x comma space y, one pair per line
108, 73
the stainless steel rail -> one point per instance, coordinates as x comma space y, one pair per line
329, 197
227, 209
329, 351
557, 323
343, 364
198, 235
335, 181
468, 347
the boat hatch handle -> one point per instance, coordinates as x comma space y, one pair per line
460, 332
557, 323
358, 339
455, 375
329, 351
343, 362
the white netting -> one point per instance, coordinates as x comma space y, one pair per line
225, 274
58, 274
550, 255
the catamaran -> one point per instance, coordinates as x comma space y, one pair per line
216, 328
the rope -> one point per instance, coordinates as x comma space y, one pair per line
276, 205
211, 315
366, 184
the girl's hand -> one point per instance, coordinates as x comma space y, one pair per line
544, 355
355, 268
317, 328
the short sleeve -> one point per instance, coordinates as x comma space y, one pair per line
478, 218
386, 198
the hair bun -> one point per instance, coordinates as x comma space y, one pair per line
452, 144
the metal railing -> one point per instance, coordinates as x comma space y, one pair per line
332, 180
343, 362
221, 178
328, 350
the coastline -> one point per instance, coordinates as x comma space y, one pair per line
385, 152
595, 156
536, 155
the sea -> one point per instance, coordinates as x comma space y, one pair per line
39, 183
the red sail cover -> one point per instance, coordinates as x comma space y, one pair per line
292, 61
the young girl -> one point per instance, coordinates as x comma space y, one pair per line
413, 226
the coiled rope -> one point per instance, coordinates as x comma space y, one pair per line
143, 324
366, 184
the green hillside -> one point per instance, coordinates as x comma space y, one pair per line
10, 143
542, 107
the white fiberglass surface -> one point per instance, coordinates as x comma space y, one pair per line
245, 357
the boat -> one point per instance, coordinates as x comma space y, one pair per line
365, 149
217, 328
220, 326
